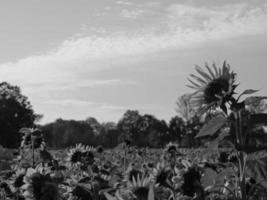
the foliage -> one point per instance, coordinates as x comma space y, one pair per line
15, 113
141, 130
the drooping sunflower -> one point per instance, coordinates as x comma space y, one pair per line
171, 148
161, 175
39, 186
214, 87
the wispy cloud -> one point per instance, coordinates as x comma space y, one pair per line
180, 26
132, 14
72, 102
104, 106
123, 2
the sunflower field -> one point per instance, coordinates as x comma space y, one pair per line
230, 165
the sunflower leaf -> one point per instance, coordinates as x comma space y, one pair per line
246, 92
212, 126
216, 142
249, 91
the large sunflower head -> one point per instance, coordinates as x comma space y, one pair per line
39, 186
214, 87
140, 187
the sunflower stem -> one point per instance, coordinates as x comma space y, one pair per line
33, 152
241, 155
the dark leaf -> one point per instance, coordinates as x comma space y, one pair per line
249, 91
212, 126
258, 119
215, 143
254, 100
250, 148
225, 173
257, 169
209, 177
246, 92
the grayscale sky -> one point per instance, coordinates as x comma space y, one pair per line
81, 58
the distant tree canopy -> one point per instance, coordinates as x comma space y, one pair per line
15, 113
64, 133
140, 130
143, 130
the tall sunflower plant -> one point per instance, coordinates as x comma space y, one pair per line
231, 122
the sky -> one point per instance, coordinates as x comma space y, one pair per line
98, 58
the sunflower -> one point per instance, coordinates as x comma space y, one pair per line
214, 87
39, 186
192, 183
161, 174
80, 153
171, 148
140, 187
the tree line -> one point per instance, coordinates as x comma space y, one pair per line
139, 130
16, 112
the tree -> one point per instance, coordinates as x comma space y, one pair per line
15, 113
142, 130
176, 129
96, 126
129, 125
64, 133
109, 134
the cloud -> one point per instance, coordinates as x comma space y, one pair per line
231, 20
67, 85
176, 26
72, 102
125, 3
132, 14
180, 26
99, 106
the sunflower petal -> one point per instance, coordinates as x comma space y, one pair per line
210, 71
204, 74
220, 71
200, 80
139, 181
195, 84
192, 87
216, 70
134, 182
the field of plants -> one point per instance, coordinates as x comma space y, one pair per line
231, 165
